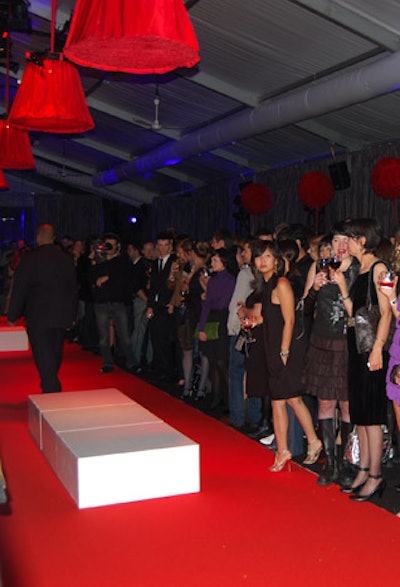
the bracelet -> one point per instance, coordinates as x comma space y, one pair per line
393, 302
345, 298
284, 353
380, 340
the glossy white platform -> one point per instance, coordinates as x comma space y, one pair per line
107, 449
13, 338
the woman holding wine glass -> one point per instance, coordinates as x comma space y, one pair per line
325, 369
367, 370
284, 352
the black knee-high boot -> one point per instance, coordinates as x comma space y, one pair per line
329, 471
347, 471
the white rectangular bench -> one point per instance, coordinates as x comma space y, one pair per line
107, 449
13, 338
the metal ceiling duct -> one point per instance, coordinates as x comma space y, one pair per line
318, 98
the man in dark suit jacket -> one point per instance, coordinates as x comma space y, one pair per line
44, 290
161, 310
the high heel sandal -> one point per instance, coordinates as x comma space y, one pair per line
356, 488
379, 489
282, 460
313, 453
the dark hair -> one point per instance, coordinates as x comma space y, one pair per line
223, 234
324, 241
368, 228
228, 260
112, 236
338, 228
290, 251
258, 247
295, 232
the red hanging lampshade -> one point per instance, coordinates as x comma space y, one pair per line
15, 147
3, 182
385, 179
315, 190
256, 198
135, 36
50, 97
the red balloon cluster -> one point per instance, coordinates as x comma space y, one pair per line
256, 198
385, 177
315, 189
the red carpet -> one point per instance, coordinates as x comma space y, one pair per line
247, 526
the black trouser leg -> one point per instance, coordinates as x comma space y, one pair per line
47, 347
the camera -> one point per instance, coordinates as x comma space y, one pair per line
101, 249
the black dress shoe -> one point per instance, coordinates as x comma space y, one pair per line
379, 489
357, 488
106, 369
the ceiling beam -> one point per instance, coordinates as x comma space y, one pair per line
356, 20
129, 192
329, 134
217, 85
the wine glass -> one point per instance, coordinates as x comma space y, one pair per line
335, 262
247, 325
323, 266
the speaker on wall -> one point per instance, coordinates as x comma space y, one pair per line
340, 175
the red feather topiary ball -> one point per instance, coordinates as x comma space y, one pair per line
256, 198
315, 189
385, 177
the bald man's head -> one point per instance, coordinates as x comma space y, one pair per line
45, 234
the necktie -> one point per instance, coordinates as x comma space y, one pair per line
160, 265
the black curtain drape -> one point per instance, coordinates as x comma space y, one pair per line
77, 215
214, 207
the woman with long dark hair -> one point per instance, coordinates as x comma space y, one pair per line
284, 352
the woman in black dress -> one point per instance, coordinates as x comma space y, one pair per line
284, 353
367, 390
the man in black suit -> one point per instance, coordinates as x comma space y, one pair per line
44, 290
161, 310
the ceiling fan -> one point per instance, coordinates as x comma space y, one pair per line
64, 171
155, 125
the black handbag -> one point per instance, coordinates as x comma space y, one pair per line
366, 321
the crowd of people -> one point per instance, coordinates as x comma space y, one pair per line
263, 328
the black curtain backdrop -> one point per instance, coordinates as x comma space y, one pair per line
214, 207
76, 215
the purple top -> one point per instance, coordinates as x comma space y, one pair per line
393, 390
219, 292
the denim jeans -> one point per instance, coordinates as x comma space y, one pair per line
140, 326
117, 313
236, 386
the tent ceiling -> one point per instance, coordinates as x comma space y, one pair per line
250, 53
